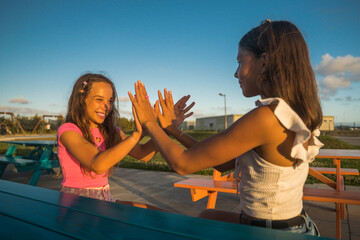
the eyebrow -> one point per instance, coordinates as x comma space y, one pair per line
99, 96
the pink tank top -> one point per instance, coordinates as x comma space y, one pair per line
73, 175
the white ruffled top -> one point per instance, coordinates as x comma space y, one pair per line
269, 191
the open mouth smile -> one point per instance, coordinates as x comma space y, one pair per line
101, 115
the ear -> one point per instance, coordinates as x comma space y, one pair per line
264, 61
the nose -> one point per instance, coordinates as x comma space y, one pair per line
236, 72
107, 106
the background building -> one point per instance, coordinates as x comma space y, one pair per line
188, 125
216, 122
327, 124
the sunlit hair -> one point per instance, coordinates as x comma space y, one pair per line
288, 74
77, 114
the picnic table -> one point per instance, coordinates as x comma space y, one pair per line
336, 155
200, 188
41, 157
29, 211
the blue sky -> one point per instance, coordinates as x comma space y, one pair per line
189, 47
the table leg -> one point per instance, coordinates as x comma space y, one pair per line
322, 178
338, 221
2, 168
212, 200
35, 177
11, 150
340, 184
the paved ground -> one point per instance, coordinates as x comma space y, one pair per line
349, 140
156, 188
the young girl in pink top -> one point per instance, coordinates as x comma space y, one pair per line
90, 144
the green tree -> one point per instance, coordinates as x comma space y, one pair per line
126, 124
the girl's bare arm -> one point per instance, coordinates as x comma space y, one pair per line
248, 132
89, 156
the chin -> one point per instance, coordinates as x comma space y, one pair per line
245, 94
249, 95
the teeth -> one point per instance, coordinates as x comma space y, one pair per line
101, 114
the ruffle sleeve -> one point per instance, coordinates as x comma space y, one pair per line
291, 121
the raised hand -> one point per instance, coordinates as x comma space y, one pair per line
181, 109
167, 117
140, 101
139, 129
172, 114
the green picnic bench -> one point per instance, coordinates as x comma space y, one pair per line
23, 165
42, 157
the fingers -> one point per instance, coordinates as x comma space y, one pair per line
182, 101
189, 107
188, 115
132, 99
161, 99
141, 94
179, 102
134, 113
172, 101
136, 119
157, 108
169, 103
144, 91
137, 90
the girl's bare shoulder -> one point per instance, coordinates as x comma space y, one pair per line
262, 122
262, 116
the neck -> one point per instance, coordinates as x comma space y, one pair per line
92, 125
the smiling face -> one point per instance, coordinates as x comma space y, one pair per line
99, 103
249, 69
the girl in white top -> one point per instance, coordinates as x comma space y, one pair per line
271, 145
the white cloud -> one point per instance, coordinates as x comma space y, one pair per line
123, 99
338, 73
25, 111
330, 65
125, 112
348, 99
20, 100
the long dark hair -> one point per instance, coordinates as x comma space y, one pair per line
76, 113
288, 74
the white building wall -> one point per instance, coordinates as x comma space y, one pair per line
327, 124
216, 122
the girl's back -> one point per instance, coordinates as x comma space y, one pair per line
274, 173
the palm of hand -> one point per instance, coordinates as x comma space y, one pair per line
167, 118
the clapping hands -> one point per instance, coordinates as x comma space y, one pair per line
144, 111
170, 115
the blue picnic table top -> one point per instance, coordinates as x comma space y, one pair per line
27, 211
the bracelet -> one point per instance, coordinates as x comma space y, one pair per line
133, 139
180, 134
